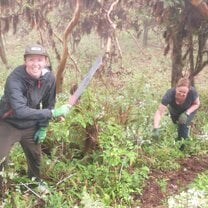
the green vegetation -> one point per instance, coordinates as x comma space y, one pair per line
117, 109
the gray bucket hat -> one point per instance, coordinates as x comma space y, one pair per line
35, 49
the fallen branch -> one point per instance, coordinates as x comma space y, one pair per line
29, 189
61, 181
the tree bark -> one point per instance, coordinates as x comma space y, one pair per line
176, 57
65, 52
146, 27
2, 52
112, 37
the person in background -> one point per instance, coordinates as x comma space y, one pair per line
26, 107
182, 102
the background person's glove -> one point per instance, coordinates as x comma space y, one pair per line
156, 133
61, 111
40, 135
183, 118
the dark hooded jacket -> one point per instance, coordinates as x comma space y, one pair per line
28, 102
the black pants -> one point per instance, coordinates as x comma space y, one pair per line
183, 129
9, 135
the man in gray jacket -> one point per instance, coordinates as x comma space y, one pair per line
27, 106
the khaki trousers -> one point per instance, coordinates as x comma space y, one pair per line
9, 135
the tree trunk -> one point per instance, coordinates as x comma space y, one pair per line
191, 58
146, 26
65, 52
2, 52
177, 66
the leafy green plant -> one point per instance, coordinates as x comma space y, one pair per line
120, 108
201, 182
163, 184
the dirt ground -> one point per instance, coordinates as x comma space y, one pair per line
176, 181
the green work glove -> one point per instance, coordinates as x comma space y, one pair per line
40, 135
61, 111
156, 133
183, 118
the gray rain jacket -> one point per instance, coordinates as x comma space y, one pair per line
27, 102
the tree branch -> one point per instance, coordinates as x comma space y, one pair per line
113, 26
108, 14
65, 53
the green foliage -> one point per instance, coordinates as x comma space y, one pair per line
173, 3
120, 108
107, 173
58, 199
88, 202
163, 184
201, 182
17, 199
